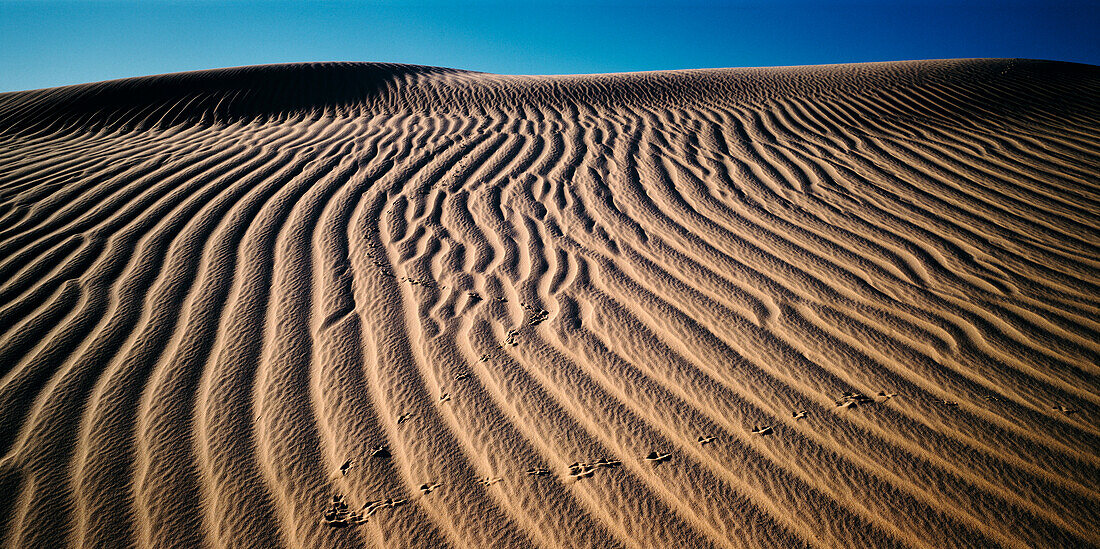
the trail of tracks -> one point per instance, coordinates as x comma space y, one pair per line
217, 288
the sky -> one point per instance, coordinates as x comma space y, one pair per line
46, 43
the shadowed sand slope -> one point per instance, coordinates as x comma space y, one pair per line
343, 305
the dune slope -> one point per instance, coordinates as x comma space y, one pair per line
342, 305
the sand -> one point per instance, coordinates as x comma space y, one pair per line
343, 305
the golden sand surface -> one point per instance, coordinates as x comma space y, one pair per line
345, 305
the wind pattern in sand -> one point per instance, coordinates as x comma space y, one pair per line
343, 305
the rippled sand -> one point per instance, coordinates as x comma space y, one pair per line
342, 305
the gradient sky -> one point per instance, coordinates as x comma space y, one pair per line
53, 43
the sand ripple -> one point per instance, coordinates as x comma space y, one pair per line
340, 305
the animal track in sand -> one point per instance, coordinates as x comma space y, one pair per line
372, 507
337, 515
657, 458
346, 465
840, 228
604, 463
580, 470
851, 399
762, 431
427, 283
489, 481
538, 315
427, 488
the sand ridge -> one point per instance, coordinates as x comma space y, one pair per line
356, 304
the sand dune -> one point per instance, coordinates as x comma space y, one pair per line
342, 305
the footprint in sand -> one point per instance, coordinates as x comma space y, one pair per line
372, 507
538, 472
429, 488
658, 458
445, 397
850, 399
584, 470
886, 396
604, 463
337, 515
762, 431
948, 403
462, 376
346, 465
489, 481
704, 440
798, 415
538, 315
380, 452
581, 470
1062, 408
404, 417
338, 503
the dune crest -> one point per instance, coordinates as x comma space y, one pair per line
356, 304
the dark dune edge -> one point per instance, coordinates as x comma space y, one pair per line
357, 304
275, 92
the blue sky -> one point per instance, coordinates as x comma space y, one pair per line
51, 43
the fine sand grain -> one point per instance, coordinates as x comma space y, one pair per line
343, 305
